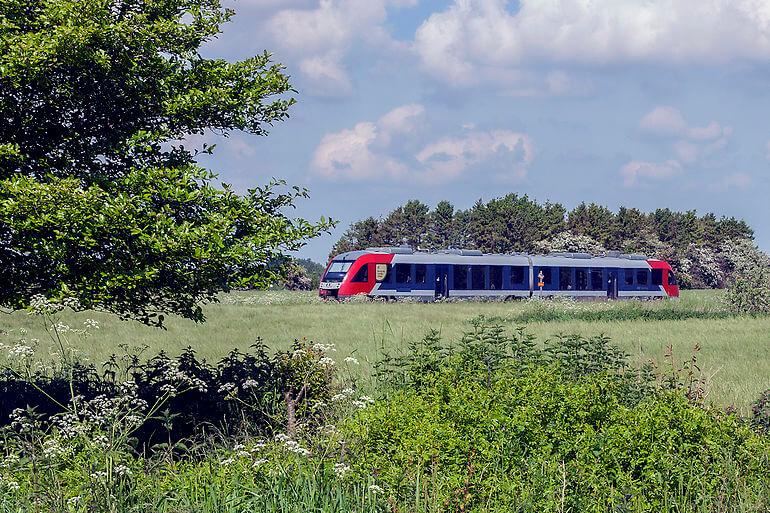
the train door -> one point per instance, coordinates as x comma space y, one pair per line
612, 283
442, 281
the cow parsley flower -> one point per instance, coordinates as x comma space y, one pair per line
340, 469
91, 324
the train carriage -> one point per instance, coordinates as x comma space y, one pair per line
402, 272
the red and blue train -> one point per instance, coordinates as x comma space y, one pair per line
396, 272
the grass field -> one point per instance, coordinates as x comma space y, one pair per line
735, 351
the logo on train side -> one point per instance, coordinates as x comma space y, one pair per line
380, 271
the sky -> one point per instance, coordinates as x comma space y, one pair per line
654, 104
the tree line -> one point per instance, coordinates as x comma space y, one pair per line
518, 223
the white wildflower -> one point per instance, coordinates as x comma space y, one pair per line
21, 352
326, 362
72, 302
341, 469
122, 470
227, 388
52, 449
61, 327
91, 324
168, 388
351, 359
250, 383
10, 460
374, 489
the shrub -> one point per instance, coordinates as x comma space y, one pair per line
498, 424
760, 411
296, 277
174, 398
568, 241
749, 292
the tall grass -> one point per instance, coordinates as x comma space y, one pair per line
734, 349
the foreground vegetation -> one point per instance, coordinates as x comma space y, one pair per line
733, 349
492, 421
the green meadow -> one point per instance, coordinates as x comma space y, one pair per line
733, 352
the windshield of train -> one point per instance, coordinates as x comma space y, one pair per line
339, 267
337, 270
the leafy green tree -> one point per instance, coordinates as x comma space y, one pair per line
630, 231
99, 201
593, 221
361, 234
730, 228
441, 227
407, 224
681, 229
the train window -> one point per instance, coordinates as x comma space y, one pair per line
629, 276
495, 277
461, 277
641, 276
340, 267
403, 273
565, 278
581, 279
657, 276
597, 283
517, 275
420, 273
672, 278
477, 277
362, 276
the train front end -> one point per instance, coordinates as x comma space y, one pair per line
354, 273
663, 277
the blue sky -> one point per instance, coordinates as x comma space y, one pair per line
662, 103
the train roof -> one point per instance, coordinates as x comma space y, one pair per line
451, 256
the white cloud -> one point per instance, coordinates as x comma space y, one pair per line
733, 181
356, 154
365, 151
665, 122
668, 122
689, 143
636, 169
473, 40
447, 158
320, 37
401, 120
